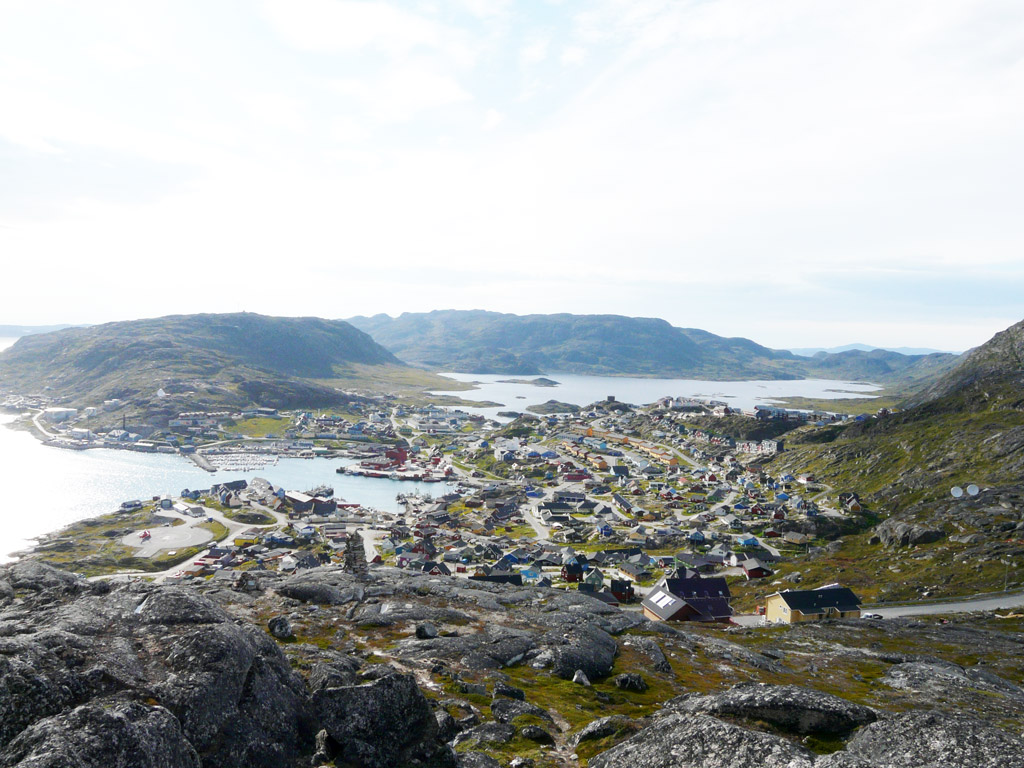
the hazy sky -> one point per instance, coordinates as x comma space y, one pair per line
800, 172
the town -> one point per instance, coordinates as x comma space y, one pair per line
635, 506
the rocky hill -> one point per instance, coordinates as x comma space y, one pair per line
198, 360
967, 428
398, 669
491, 342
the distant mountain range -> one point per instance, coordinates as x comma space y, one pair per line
478, 341
17, 331
811, 351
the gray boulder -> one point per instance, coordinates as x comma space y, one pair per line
537, 734
236, 696
699, 741
385, 723
110, 735
630, 681
649, 647
507, 710
426, 631
585, 647
280, 628
604, 727
917, 739
502, 688
486, 733
895, 533
477, 760
789, 707
944, 678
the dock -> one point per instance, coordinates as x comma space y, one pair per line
202, 462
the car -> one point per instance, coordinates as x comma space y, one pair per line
870, 616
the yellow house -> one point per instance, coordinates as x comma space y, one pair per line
796, 605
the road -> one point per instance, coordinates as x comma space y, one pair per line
996, 602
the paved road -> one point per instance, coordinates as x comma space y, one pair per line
999, 602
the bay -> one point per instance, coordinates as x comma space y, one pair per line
582, 390
48, 488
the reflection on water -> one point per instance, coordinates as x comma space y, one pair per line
47, 488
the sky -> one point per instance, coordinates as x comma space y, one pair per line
799, 172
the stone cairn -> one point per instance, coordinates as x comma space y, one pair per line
355, 556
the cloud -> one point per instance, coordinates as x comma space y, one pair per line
346, 26
399, 94
492, 119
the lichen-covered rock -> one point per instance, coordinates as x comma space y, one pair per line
604, 727
895, 533
584, 647
918, 739
683, 740
111, 735
382, 724
486, 733
507, 710
789, 707
943, 678
477, 760
501, 688
237, 698
649, 647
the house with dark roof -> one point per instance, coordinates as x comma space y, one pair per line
755, 569
689, 599
797, 605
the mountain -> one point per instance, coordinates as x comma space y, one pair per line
812, 351
477, 341
203, 360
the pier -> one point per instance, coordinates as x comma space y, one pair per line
202, 462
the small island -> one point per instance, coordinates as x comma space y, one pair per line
540, 381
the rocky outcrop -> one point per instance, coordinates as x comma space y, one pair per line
103, 735
917, 739
383, 724
787, 707
586, 648
684, 740
507, 710
605, 727
896, 533
943, 678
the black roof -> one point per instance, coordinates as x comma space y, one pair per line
818, 600
698, 587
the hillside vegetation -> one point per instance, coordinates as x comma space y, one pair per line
967, 428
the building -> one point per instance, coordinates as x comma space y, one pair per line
689, 599
797, 605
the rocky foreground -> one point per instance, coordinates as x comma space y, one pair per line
408, 670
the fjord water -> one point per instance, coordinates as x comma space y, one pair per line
581, 390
